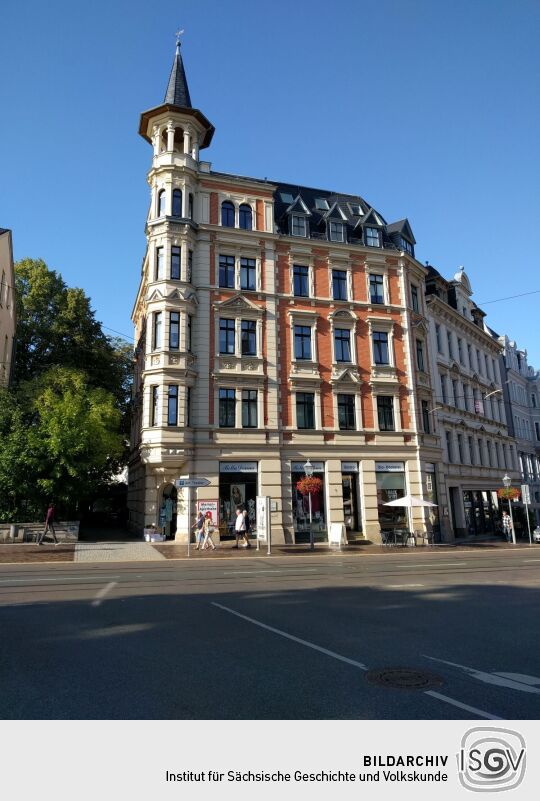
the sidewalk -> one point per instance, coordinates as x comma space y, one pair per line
138, 551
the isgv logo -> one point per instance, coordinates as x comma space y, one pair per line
491, 760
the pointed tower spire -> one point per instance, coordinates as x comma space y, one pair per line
177, 93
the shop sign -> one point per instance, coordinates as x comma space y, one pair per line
238, 467
389, 467
349, 467
298, 467
209, 506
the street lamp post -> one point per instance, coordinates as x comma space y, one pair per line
507, 481
308, 470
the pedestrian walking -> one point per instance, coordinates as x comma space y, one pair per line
507, 526
240, 528
208, 529
247, 522
49, 525
199, 527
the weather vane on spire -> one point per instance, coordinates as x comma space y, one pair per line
178, 35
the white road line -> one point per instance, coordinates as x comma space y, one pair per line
298, 640
531, 560
400, 586
466, 707
59, 579
103, 592
442, 564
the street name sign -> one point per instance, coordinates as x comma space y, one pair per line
525, 493
182, 483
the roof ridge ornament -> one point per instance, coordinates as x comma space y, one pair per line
178, 34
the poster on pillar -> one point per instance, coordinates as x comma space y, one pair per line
209, 506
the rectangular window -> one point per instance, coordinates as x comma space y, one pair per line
248, 274
471, 451
176, 254
420, 355
302, 342
226, 272
407, 246
449, 449
172, 405
380, 347
346, 413
376, 288
227, 336
189, 334
249, 338
227, 408
249, 408
298, 225
300, 281
537, 429
372, 237
156, 334
339, 284
160, 264
305, 409
174, 331
460, 448
460, 350
450, 346
385, 412
425, 417
478, 363
190, 266
188, 407
438, 337
414, 299
154, 411
444, 394
455, 392
336, 231
488, 444
342, 344
480, 454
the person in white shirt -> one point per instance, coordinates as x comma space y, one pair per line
240, 528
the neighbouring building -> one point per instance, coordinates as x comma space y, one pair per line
7, 306
469, 411
275, 323
522, 398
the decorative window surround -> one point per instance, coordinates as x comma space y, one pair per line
237, 201
239, 253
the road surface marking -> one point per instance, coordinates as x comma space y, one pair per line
298, 640
443, 564
513, 681
59, 579
103, 592
401, 586
531, 560
466, 707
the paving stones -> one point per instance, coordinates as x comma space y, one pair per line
116, 552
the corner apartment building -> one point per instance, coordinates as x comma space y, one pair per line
469, 411
7, 306
274, 323
521, 395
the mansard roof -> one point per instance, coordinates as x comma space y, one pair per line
402, 227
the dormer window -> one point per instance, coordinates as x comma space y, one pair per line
372, 237
321, 204
286, 197
336, 231
227, 214
406, 246
298, 225
356, 209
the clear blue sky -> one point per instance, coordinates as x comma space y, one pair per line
428, 109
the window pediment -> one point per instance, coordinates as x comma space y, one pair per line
239, 305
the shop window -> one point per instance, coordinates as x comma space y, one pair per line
303, 522
390, 486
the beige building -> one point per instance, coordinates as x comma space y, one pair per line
7, 306
274, 324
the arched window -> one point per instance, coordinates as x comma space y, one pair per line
227, 214
245, 217
161, 202
177, 202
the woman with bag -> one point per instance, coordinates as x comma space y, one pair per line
199, 526
208, 529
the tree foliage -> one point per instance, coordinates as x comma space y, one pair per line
63, 426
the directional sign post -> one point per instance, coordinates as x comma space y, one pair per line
526, 498
189, 484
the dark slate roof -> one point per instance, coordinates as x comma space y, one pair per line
402, 227
432, 272
4, 231
177, 93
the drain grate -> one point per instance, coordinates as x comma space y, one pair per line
400, 678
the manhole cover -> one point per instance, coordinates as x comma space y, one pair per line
403, 679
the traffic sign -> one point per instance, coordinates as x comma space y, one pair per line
182, 483
525, 493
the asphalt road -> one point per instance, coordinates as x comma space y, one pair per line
285, 638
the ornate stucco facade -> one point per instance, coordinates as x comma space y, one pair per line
274, 324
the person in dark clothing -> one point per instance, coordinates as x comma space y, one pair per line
49, 525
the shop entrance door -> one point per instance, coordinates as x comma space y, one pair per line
349, 483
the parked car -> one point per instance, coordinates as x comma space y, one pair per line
536, 534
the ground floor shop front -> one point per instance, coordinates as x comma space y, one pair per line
350, 492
